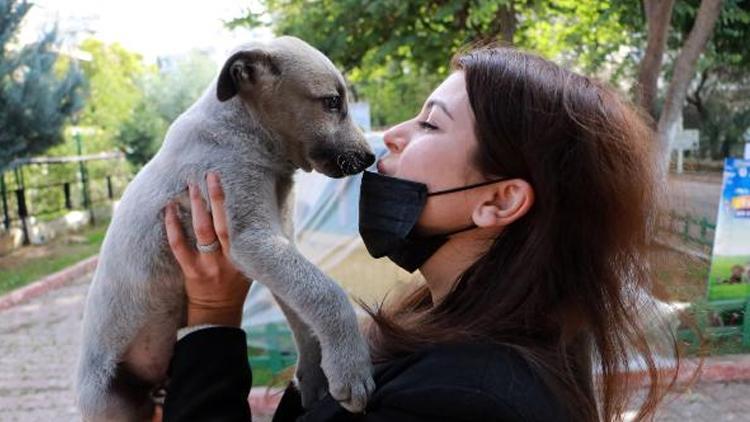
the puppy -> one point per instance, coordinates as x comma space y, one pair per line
273, 109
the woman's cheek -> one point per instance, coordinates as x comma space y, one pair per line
417, 163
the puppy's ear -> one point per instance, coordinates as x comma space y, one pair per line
243, 70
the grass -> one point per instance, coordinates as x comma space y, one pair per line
31, 263
264, 375
720, 271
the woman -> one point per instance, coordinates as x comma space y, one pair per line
534, 193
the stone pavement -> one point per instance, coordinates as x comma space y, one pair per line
38, 348
707, 402
39, 344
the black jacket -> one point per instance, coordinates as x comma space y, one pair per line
210, 381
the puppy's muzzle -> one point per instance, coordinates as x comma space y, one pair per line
340, 163
354, 162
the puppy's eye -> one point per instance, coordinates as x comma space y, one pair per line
332, 103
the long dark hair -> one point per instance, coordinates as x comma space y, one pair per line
562, 285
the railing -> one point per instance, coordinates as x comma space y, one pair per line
278, 353
698, 231
26, 189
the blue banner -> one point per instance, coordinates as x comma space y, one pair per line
729, 277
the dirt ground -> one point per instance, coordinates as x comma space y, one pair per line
678, 277
55, 248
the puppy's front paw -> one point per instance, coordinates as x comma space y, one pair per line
311, 382
349, 374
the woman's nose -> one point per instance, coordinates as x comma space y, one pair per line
396, 139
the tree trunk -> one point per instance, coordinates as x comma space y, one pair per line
506, 20
683, 73
658, 17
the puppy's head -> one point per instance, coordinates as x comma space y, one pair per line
299, 95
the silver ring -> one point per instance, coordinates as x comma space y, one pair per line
211, 247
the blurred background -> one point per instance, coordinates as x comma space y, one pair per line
88, 89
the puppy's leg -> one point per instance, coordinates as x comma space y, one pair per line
263, 253
107, 389
129, 333
311, 380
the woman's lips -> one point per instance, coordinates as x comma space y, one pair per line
380, 167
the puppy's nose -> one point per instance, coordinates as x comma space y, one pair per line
368, 159
354, 162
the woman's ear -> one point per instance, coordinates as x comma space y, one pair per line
504, 204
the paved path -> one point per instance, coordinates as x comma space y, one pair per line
39, 343
699, 197
708, 402
38, 348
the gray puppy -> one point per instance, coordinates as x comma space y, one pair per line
273, 109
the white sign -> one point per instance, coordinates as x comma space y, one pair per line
686, 139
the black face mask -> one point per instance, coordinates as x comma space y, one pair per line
389, 208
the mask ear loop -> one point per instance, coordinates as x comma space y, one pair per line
462, 188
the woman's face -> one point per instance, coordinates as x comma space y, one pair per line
436, 148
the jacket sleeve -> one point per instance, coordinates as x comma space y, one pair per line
327, 410
210, 377
418, 405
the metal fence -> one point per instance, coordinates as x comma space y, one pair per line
278, 352
695, 231
49, 187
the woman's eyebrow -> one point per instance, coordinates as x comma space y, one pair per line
442, 106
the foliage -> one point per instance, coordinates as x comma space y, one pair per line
395, 52
179, 83
140, 135
35, 102
113, 74
392, 51
718, 101
166, 95
588, 35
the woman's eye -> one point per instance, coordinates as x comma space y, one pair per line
426, 125
332, 103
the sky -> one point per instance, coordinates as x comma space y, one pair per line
151, 27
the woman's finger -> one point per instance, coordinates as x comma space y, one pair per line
218, 213
182, 252
202, 224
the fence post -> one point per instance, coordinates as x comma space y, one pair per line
84, 178
4, 194
110, 195
686, 229
68, 202
22, 214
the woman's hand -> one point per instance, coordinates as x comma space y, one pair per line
215, 289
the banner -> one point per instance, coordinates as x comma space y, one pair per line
729, 277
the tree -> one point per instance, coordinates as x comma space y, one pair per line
684, 71
140, 135
114, 75
394, 52
719, 96
165, 95
179, 82
658, 14
35, 102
